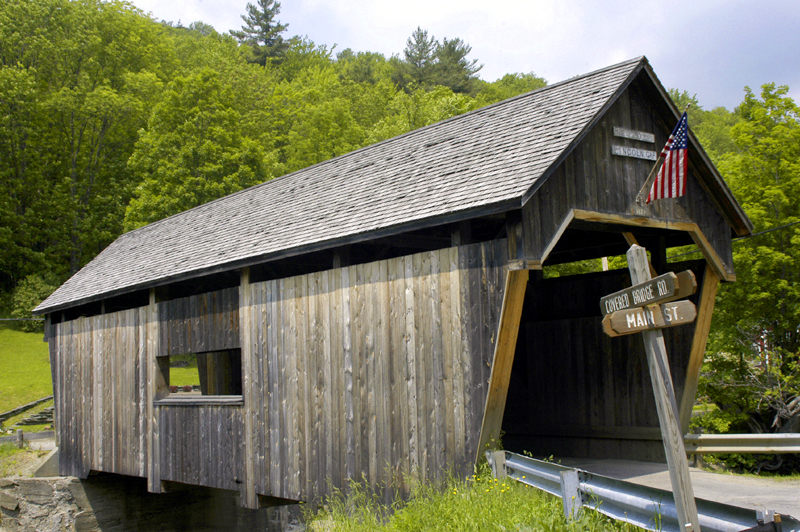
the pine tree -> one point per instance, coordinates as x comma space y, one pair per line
262, 32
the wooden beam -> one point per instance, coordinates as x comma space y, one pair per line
557, 236
157, 388
666, 405
694, 232
248, 497
508, 329
705, 309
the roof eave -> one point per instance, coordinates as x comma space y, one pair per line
485, 210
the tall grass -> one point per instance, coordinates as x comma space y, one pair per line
477, 503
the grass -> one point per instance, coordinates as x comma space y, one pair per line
184, 376
478, 503
14, 461
24, 368
8, 425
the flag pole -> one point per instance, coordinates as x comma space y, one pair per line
641, 197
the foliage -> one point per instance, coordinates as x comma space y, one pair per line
24, 368
73, 93
753, 371
193, 151
477, 503
26, 296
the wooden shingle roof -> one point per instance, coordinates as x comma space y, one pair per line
476, 163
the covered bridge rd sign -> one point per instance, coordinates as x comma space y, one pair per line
644, 306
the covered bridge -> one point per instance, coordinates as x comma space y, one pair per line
386, 313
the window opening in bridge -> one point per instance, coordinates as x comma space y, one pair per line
209, 373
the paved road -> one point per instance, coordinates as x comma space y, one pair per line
782, 496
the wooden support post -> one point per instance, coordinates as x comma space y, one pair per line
631, 240
514, 235
508, 329
157, 388
666, 404
248, 497
705, 309
461, 234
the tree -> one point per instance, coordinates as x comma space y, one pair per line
420, 56
427, 63
74, 76
262, 32
452, 68
509, 86
753, 372
193, 151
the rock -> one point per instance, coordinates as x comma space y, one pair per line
37, 491
8, 502
79, 494
86, 522
5, 483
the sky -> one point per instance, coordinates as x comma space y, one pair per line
711, 48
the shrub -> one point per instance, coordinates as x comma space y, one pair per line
31, 291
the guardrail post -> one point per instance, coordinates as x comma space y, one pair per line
571, 494
497, 460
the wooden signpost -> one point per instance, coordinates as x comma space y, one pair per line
650, 317
641, 308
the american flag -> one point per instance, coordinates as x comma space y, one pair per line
670, 181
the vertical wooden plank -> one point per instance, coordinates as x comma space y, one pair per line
339, 419
510, 315
348, 355
373, 385
272, 378
448, 400
470, 344
142, 391
665, 404
326, 429
382, 368
413, 438
398, 405
458, 347
305, 375
436, 437
705, 310
261, 419
294, 418
156, 389
249, 499
422, 310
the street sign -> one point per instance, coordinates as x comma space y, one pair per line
664, 288
661, 316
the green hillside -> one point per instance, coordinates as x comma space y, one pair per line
24, 367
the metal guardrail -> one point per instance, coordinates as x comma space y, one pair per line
742, 443
642, 506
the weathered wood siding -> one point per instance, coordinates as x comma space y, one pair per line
591, 178
372, 370
575, 391
101, 381
202, 445
199, 323
100, 376
369, 370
